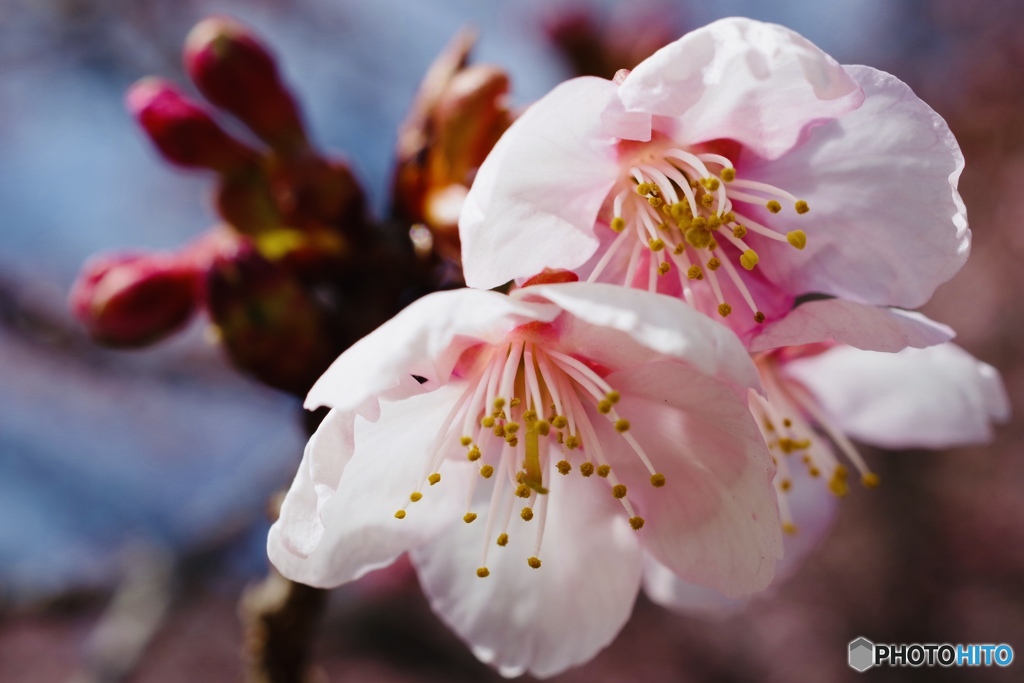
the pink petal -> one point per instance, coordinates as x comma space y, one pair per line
715, 522
326, 539
425, 339
759, 84
535, 199
934, 398
543, 620
887, 225
867, 327
621, 327
813, 509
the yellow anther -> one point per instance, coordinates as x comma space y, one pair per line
516, 401
759, 317
664, 267
499, 403
870, 480
483, 572
511, 427
655, 201
512, 441
712, 245
499, 430
466, 440
694, 273
503, 540
707, 199
619, 490
636, 522
400, 514
724, 310
699, 222
526, 514
786, 422
739, 231
678, 210
474, 454
618, 224
663, 226
714, 222
656, 244
814, 472
534, 562
838, 486
622, 425
748, 259
543, 427
773, 206
801, 207
658, 480
797, 238
434, 478
486, 471
680, 248
789, 528
523, 491
469, 517
714, 263
572, 442
728, 217
604, 470
728, 174
604, 406
563, 466
529, 416
841, 472
710, 183
415, 496
613, 396
487, 422
698, 237
559, 421
644, 188
785, 484
587, 469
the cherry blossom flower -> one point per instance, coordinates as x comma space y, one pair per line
529, 451
739, 168
821, 397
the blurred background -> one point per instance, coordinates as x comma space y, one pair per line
134, 486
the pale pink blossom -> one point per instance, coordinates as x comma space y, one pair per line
820, 398
739, 168
554, 438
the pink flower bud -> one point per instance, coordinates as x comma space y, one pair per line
183, 131
132, 300
235, 72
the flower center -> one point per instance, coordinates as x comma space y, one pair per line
522, 417
785, 418
691, 214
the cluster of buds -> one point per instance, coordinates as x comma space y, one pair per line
292, 223
457, 117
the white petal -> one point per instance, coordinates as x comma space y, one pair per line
621, 327
535, 199
337, 536
864, 326
715, 522
544, 620
934, 398
887, 225
759, 84
425, 339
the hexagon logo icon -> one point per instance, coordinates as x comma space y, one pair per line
862, 654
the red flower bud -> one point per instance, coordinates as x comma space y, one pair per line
236, 73
134, 300
183, 131
271, 327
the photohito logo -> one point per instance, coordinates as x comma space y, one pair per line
863, 654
